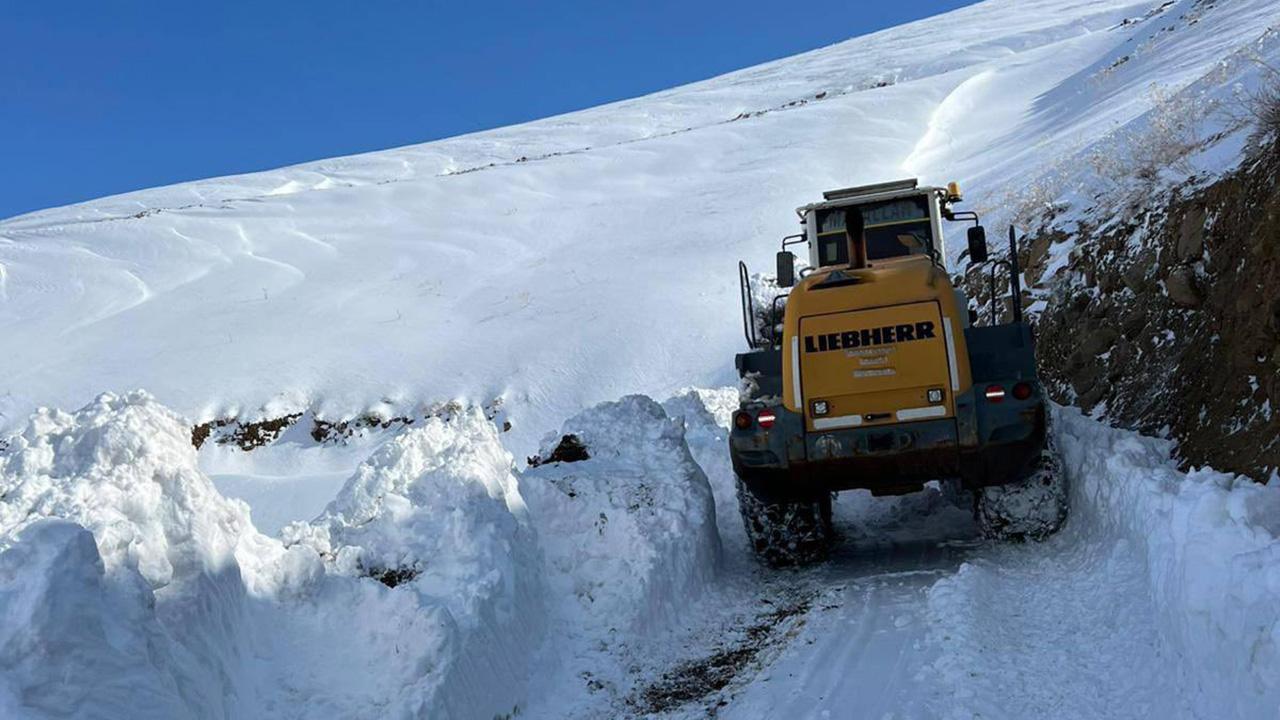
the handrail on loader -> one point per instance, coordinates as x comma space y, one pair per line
1015, 280
748, 306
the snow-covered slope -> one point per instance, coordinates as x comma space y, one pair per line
556, 265
570, 260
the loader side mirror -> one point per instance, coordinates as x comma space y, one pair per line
978, 244
786, 269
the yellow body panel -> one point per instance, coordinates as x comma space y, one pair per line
873, 344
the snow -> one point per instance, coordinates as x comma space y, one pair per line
120, 537
570, 589
124, 468
630, 531
1045, 614
165, 572
558, 266
455, 270
1159, 599
117, 552
438, 507
74, 644
1211, 545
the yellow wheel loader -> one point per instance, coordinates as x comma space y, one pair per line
873, 373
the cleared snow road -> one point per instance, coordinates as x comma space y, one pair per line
914, 616
861, 647
922, 620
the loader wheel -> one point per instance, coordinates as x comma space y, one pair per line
786, 533
1031, 509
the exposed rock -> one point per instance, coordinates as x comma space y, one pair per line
1191, 235
1099, 341
1037, 256
251, 435
1185, 296
1086, 379
1135, 274
1109, 283
1089, 400
570, 449
1182, 287
1122, 354
244, 435
1133, 322
339, 431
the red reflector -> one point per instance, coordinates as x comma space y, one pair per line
995, 393
1022, 391
766, 418
742, 420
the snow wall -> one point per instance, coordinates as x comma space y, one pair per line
130, 588
1211, 548
631, 529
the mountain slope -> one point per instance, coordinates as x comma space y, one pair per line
563, 261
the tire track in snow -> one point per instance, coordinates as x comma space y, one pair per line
1059, 630
863, 642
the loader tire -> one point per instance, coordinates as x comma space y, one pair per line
784, 534
1031, 509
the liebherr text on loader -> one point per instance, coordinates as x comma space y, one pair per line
873, 373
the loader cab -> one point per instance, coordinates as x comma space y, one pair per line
876, 225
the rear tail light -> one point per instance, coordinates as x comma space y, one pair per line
766, 419
742, 420
1022, 391
995, 393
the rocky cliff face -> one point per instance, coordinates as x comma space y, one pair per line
1167, 320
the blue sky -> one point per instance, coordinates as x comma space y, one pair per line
106, 96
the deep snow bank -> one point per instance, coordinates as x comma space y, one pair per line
72, 642
160, 594
151, 595
437, 511
130, 588
1212, 554
630, 532
1160, 597
124, 468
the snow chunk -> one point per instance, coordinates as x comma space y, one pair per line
629, 532
169, 549
72, 643
707, 414
437, 512
124, 468
704, 409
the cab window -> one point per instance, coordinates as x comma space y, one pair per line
892, 228
833, 246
